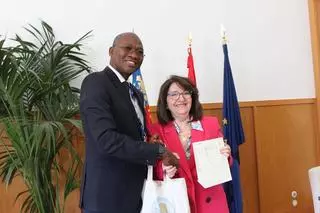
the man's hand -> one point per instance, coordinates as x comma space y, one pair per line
155, 139
169, 159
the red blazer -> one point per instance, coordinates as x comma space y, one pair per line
201, 200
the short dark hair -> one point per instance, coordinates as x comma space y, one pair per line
163, 113
119, 36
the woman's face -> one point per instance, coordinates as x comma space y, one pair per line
179, 101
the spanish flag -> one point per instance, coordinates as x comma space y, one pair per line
190, 66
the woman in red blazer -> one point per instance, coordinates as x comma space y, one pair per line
180, 124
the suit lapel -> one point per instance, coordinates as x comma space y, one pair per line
123, 91
141, 105
116, 82
140, 98
197, 135
175, 145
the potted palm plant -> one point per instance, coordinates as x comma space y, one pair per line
38, 108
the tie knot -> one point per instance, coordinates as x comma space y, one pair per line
130, 85
131, 89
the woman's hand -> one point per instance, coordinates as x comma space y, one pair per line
170, 171
226, 150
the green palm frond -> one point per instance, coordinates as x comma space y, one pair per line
71, 181
37, 110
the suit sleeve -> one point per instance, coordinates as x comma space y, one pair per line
100, 126
158, 172
157, 168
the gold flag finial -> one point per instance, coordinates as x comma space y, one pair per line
223, 34
189, 39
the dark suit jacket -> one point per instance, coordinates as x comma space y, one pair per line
116, 156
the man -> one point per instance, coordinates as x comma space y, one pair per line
117, 153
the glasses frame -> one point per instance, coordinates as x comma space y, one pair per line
185, 94
129, 49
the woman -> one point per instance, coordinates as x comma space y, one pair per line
180, 124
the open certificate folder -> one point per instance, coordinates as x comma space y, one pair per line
212, 166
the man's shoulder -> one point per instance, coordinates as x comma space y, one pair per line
99, 76
102, 73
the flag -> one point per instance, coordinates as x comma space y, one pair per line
137, 81
190, 66
233, 135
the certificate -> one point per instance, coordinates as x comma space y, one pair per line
212, 166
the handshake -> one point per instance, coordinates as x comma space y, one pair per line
167, 157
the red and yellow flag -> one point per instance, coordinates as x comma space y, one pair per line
137, 81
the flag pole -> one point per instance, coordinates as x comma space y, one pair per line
232, 131
224, 41
189, 42
190, 65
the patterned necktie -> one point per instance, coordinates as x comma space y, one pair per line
134, 97
131, 91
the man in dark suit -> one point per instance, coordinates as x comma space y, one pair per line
117, 153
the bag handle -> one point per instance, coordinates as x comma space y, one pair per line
150, 173
165, 176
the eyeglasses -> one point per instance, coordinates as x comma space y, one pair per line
176, 95
130, 49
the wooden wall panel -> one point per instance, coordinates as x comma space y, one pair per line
248, 164
8, 203
285, 151
314, 17
8, 196
280, 147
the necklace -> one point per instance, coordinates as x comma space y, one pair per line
185, 137
184, 133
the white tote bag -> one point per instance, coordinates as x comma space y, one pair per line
167, 196
314, 178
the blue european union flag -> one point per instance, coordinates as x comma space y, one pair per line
233, 134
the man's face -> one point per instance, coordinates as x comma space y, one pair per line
127, 54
